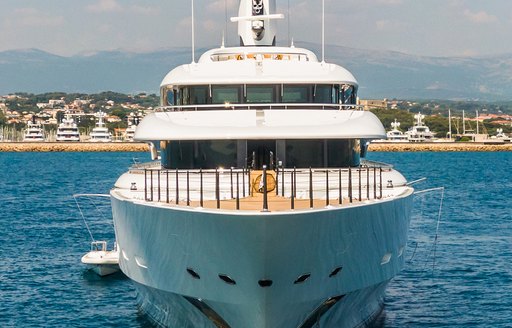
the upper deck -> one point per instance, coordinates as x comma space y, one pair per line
258, 65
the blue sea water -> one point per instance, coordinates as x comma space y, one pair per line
464, 279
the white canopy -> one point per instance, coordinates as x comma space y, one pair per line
260, 124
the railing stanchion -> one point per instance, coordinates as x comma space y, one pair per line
360, 187
201, 187
282, 183
327, 187
167, 186
310, 188
249, 181
374, 182
367, 182
237, 191
177, 188
151, 177
277, 179
188, 188
159, 189
350, 189
217, 188
340, 199
231, 181
265, 189
292, 189
145, 184
243, 181
380, 184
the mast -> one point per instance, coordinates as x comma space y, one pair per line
463, 124
450, 123
256, 23
477, 127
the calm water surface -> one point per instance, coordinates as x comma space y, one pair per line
465, 279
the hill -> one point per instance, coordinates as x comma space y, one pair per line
381, 74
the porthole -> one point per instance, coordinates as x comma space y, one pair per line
193, 273
265, 283
335, 271
227, 279
302, 278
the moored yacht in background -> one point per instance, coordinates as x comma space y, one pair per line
260, 209
100, 132
395, 135
34, 132
419, 132
67, 131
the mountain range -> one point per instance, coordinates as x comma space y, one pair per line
381, 74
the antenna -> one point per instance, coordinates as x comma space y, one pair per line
289, 17
323, 31
193, 36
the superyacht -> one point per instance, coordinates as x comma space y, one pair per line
100, 132
260, 209
34, 132
67, 131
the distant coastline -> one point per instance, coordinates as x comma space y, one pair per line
440, 147
72, 147
142, 147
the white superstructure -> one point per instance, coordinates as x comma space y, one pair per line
419, 132
395, 135
33, 133
100, 133
260, 209
133, 121
67, 131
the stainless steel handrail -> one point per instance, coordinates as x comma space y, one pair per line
272, 106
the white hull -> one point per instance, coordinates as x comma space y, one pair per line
159, 243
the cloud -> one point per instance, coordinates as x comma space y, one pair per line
31, 17
480, 17
219, 6
386, 25
103, 6
390, 2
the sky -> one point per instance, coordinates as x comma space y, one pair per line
441, 28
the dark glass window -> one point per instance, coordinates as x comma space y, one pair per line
296, 94
226, 94
199, 154
260, 94
304, 153
323, 94
199, 95
170, 97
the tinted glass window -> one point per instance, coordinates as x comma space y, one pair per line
296, 94
260, 94
225, 94
304, 153
323, 94
198, 95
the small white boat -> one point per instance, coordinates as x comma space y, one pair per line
100, 260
